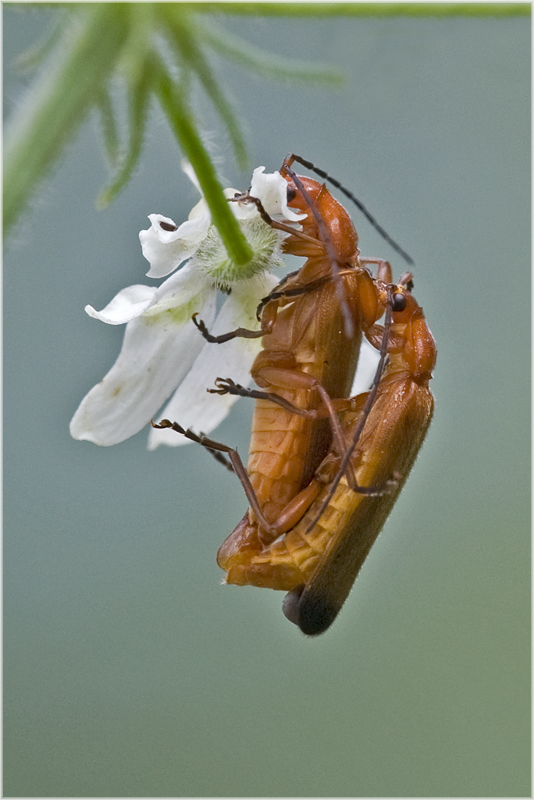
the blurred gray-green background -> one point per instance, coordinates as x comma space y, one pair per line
129, 671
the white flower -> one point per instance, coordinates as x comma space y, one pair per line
162, 351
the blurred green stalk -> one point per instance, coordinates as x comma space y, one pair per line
58, 103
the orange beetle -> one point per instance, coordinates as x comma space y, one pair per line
319, 559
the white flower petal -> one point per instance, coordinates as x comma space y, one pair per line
166, 249
161, 346
198, 210
179, 292
191, 405
367, 364
156, 354
271, 189
244, 211
125, 306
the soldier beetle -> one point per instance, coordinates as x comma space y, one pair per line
318, 560
309, 358
311, 341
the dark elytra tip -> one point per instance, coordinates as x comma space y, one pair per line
308, 611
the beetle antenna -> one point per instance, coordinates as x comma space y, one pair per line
367, 214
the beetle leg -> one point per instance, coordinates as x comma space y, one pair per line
383, 272
221, 458
279, 226
224, 337
227, 386
237, 464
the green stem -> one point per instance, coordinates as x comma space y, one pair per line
184, 128
138, 100
297, 9
185, 37
268, 65
58, 104
109, 125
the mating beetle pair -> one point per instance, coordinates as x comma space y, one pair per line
324, 468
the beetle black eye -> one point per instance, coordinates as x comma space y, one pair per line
291, 193
398, 302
